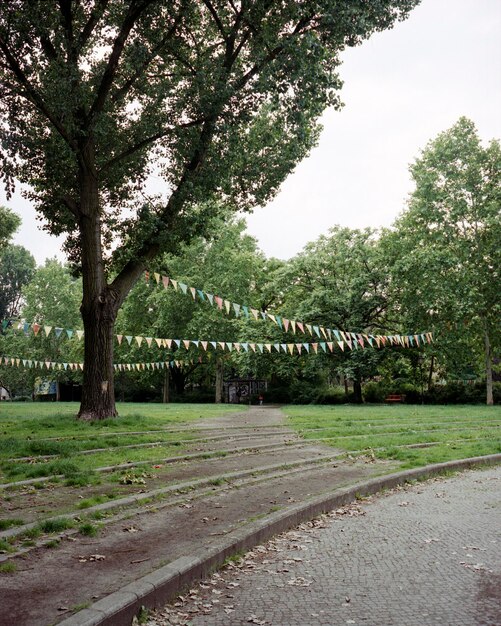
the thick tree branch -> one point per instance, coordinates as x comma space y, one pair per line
94, 18
135, 11
71, 205
145, 142
216, 19
141, 70
67, 22
32, 95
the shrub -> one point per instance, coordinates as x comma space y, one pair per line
374, 392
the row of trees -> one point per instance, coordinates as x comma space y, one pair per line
437, 269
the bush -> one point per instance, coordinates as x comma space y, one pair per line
460, 393
374, 392
198, 396
22, 399
334, 395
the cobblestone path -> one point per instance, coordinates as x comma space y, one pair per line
425, 555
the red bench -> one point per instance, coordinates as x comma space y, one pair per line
395, 397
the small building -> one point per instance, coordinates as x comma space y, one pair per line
243, 390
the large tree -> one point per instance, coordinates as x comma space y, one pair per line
447, 248
217, 97
339, 281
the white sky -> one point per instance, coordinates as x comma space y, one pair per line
402, 88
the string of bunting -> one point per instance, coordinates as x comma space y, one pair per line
245, 346
352, 341
53, 365
285, 324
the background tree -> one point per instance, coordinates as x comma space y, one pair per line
51, 299
9, 223
339, 281
447, 248
222, 98
16, 269
231, 265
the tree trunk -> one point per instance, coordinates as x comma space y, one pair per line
99, 304
488, 367
430, 373
98, 389
165, 394
357, 391
219, 380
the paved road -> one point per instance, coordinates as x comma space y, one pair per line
426, 555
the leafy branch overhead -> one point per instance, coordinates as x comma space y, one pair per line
214, 97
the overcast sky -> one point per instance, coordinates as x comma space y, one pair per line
402, 88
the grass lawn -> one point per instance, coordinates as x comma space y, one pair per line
452, 432
40, 429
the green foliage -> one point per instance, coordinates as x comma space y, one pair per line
16, 269
9, 223
445, 251
51, 298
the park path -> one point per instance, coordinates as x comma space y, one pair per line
266, 467
424, 555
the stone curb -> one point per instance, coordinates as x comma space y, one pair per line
163, 584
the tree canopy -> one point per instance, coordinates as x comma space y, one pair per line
446, 258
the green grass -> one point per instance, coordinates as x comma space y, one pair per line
5, 524
56, 525
7, 568
458, 432
88, 529
45, 439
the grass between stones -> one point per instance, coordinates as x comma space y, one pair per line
456, 432
45, 439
